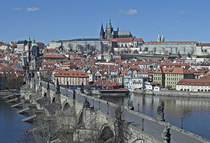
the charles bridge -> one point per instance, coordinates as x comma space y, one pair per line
82, 118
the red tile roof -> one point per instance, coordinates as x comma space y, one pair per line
203, 44
175, 70
172, 42
53, 56
2, 43
107, 83
194, 82
15, 58
127, 40
78, 74
174, 64
40, 43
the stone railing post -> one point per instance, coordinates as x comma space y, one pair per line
166, 135
34, 84
48, 89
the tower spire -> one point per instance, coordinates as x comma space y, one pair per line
110, 24
102, 32
163, 38
158, 38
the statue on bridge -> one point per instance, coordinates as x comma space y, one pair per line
166, 135
160, 112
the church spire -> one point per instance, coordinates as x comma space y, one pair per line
33, 41
163, 38
158, 38
102, 32
110, 24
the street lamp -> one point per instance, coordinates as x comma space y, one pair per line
182, 119
142, 124
107, 107
93, 103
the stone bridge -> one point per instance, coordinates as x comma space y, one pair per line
89, 119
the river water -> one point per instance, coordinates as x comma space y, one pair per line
195, 112
11, 127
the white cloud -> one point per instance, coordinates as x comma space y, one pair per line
32, 9
128, 12
182, 12
17, 9
35, 24
177, 22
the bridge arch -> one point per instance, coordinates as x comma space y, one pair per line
138, 141
45, 94
106, 133
53, 99
66, 106
80, 118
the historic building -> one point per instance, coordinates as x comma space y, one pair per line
170, 47
162, 47
194, 85
72, 78
169, 76
109, 33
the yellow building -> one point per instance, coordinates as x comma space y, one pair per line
158, 76
168, 77
172, 76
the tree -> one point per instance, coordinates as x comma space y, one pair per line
189, 55
81, 49
179, 55
70, 47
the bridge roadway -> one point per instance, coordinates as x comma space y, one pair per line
151, 126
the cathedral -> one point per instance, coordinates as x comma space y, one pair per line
109, 33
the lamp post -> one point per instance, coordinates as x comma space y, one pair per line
182, 119
107, 107
142, 124
93, 103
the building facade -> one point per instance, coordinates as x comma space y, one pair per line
109, 33
71, 78
170, 47
194, 85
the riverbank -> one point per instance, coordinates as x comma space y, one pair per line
182, 94
173, 93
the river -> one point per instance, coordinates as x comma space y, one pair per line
11, 127
195, 112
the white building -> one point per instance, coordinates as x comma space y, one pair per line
203, 49
75, 44
72, 78
170, 47
128, 45
194, 85
132, 83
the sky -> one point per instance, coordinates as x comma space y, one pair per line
47, 20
